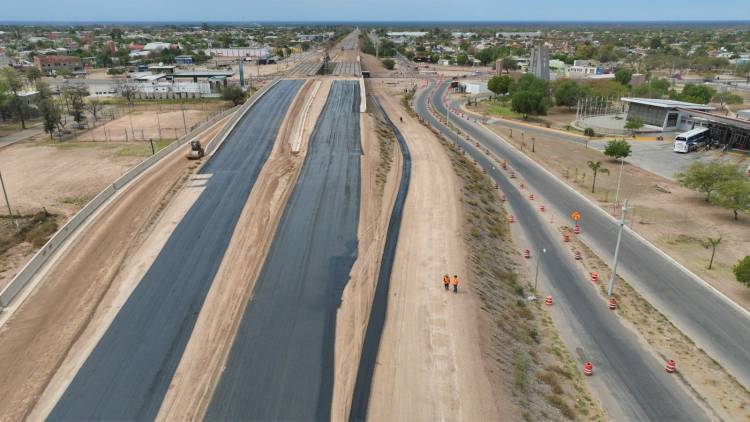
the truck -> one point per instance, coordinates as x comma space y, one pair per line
691, 140
196, 150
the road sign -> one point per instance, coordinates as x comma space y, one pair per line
575, 215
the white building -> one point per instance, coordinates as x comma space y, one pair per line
157, 46
474, 87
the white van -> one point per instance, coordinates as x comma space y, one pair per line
691, 140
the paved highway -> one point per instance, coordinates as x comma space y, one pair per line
280, 366
129, 370
637, 388
711, 320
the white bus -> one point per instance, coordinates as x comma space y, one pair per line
691, 140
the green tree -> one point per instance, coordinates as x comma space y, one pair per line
529, 103
596, 167
705, 177
509, 63
711, 242
741, 271
389, 63
623, 75
500, 85
567, 93
233, 93
657, 88
462, 59
589, 132
51, 116
74, 96
33, 74
733, 195
700, 94
634, 124
11, 81
617, 149
64, 73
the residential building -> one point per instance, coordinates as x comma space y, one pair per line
53, 64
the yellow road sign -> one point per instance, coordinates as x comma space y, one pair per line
575, 215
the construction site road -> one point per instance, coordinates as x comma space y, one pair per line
280, 366
376, 322
712, 321
128, 372
636, 386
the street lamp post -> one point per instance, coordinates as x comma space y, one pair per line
619, 178
617, 249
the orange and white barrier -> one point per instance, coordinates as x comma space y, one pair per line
594, 276
612, 304
588, 369
548, 300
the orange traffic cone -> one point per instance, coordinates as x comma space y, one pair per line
548, 300
671, 366
594, 276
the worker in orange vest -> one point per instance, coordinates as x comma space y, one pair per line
455, 283
446, 281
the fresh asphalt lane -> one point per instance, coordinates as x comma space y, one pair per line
128, 372
711, 320
280, 366
636, 382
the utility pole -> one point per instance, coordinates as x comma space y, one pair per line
7, 202
184, 123
617, 249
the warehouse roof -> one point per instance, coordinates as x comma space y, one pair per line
655, 102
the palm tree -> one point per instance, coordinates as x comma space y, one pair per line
596, 167
712, 243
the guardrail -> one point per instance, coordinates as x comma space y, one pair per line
27, 273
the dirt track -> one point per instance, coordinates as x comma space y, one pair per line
430, 365
39, 336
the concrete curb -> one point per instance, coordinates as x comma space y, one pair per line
296, 144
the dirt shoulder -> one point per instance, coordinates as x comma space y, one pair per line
42, 331
201, 365
430, 365
675, 219
485, 353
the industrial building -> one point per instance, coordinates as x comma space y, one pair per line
662, 115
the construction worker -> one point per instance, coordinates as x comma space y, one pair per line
446, 281
455, 283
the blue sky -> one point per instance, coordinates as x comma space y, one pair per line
369, 10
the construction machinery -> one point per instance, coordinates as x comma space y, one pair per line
196, 150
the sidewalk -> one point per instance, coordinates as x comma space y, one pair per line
19, 136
